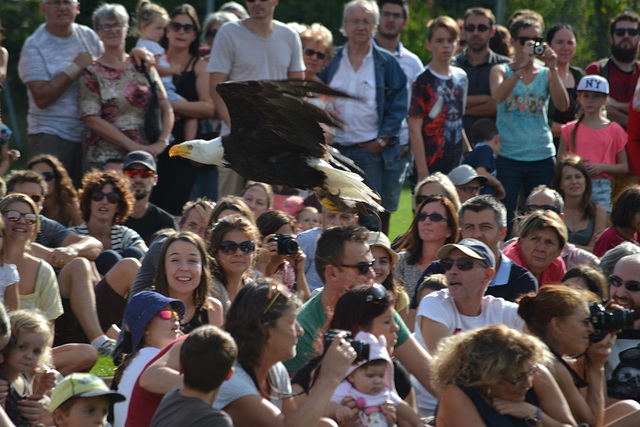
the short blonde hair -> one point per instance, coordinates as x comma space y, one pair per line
544, 220
321, 34
32, 321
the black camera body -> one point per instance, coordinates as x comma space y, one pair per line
287, 245
361, 347
605, 321
538, 48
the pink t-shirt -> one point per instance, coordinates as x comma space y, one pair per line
597, 145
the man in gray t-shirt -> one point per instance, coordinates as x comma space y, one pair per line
51, 60
256, 48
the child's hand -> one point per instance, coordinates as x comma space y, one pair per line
35, 409
13, 155
592, 168
44, 381
389, 411
343, 413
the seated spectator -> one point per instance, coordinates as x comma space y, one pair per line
259, 197
560, 317
206, 360
285, 267
468, 183
61, 202
195, 216
5, 337
612, 256
436, 184
624, 224
434, 225
538, 247
584, 218
232, 245
227, 206
152, 321
588, 279
495, 376
183, 274
81, 400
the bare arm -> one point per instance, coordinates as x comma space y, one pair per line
619, 168
202, 108
480, 105
417, 361
501, 86
432, 333
73, 246
112, 134
558, 92
562, 148
4, 60
215, 312
220, 106
295, 75
492, 181
417, 146
164, 374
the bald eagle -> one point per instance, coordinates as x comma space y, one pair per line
276, 138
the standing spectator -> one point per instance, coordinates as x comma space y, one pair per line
51, 60
521, 90
437, 104
477, 60
317, 46
256, 48
373, 121
145, 217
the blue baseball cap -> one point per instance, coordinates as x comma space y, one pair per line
472, 248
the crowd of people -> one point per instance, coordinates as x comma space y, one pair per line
512, 298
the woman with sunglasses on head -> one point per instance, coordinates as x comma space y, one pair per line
521, 90
497, 376
232, 244
560, 317
436, 184
152, 321
61, 202
181, 42
262, 321
114, 96
183, 273
434, 225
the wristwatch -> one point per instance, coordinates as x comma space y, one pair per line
381, 142
535, 420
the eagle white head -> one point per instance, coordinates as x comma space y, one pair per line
208, 152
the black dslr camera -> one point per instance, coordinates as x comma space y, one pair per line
287, 245
361, 347
605, 321
538, 48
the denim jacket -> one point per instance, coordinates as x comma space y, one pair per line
391, 89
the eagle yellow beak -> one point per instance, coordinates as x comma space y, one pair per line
180, 150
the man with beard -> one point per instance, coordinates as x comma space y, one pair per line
623, 366
146, 218
621, 69
476, 61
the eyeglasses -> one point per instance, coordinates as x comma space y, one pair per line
279, 290
531, 208
167, 314
376, 293
392, 15
188, 28
311, 52
631, 31
9, 346
435, 217
481, 28
229, 247
142, 173
14, 216
112, 197
524, 40
631, 285
362, 267
109, 27
470, 189
358, 22
464, 264
63, 3
48, 176
530, 373
212, 32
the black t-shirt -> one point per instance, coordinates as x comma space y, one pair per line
153, 220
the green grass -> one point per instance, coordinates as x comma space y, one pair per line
401, 219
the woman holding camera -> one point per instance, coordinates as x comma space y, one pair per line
560, 317
281, 258
521, 90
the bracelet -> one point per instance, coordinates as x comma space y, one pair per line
518, 76
72, 70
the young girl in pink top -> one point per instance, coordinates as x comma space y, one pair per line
596, 139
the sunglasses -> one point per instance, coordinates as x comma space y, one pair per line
277, 290
470, 189
48, 176
362, 267
229, 247
14, 216
531, 208
142, 173
631, 31
464, 264
435, 217
524, 40
112, 197
376, 293
212, 32
481, 28
311, 52
188, 28
631, 286
530, 373
167, 314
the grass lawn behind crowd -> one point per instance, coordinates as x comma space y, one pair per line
401, 219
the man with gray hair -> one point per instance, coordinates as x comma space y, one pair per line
51, 60
373, 119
